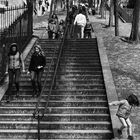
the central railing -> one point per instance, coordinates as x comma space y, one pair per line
39, 114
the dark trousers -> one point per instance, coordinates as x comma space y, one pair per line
14, 75
87, 33
36, 80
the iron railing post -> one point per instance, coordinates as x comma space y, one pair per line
30, 18
38, 118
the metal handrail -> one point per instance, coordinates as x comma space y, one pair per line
37, 113
56, 68
37, 105
52, 60
40, 114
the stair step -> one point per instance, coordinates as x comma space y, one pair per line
70, 84
80, 64
52, 103
81, 72
74, 81
75, 72
81, 61
95, 97
79, 55
69, 91
78, 106
57, 134
63, 98
67, 87
56, 117
56, 110
70, 78
20, 125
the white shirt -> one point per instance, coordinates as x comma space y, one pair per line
80, 19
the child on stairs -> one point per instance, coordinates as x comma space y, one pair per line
124, 111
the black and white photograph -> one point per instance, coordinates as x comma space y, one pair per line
69, 69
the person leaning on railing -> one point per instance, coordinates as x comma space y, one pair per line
13, 67
36, 68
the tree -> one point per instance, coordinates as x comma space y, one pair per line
98, 4
111, 13
102, 8
55, 6
116, 17
90, 3
131, 4
135, 31
51, 8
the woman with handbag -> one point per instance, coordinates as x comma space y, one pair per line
36, 68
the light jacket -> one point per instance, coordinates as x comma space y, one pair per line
15, 61
80, 19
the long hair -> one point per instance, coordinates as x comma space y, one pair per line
11, 52
133, 100
40, 49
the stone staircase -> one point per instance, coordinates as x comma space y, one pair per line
78, 107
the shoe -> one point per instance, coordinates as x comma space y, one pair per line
130, 137
8, 99
37, 95
119, 132
34, 93
17, 94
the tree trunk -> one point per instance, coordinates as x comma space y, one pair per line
94, 3
135, 31
51, 8
90, 3
67, 2
111, 13
102, 8
98, 5
55, 6
116, 18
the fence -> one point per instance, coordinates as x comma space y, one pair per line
4, 2
16, 25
